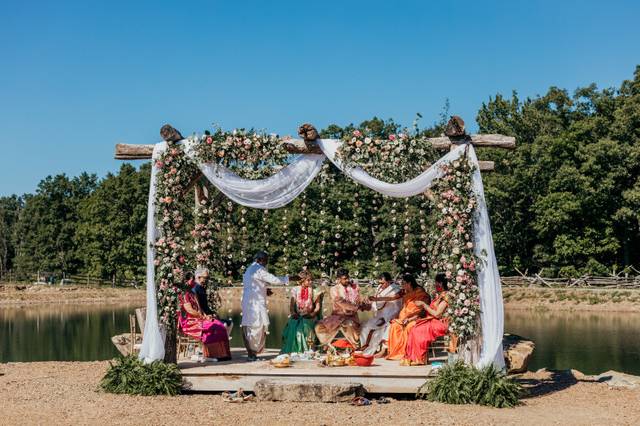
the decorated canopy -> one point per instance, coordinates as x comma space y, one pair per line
476, 289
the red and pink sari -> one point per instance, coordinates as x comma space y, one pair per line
425, 332
212, 333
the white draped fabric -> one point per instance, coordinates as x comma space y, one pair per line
491, 309
152, 342
283, 187
412, 187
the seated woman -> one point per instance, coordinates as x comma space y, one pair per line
399, 328
427, 330
195, 322
305, 307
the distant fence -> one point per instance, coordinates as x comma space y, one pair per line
523, 280
580, 282
45, 278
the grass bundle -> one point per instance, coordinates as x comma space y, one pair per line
129, 375
459, 383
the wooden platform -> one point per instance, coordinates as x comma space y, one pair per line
383, 377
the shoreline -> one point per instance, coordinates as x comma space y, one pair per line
515, 298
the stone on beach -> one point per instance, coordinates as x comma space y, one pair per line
306, 391
616, 379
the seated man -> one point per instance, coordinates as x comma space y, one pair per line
345, 297
387, 302
195, 322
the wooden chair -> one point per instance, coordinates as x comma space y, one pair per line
438, 346
187, 345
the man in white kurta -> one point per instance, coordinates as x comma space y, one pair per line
375, 331
255, 318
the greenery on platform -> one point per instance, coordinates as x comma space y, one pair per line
459, 383
129, 375
565, 202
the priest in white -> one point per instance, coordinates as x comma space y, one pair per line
255, 318
387, 302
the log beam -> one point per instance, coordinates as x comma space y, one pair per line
455, 135
299, 146
143, 152
133, 152
479, 141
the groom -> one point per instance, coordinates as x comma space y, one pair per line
345, 296
255, 319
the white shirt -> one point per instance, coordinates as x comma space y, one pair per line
254, 294
387, 310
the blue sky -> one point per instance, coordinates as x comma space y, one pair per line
77, 77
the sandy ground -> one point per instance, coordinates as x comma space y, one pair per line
66, 393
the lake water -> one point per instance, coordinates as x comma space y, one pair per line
589, 342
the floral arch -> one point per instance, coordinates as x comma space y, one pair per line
256, 170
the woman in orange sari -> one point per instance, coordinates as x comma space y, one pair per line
427, 330
399, 328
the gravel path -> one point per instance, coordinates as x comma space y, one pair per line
66, 393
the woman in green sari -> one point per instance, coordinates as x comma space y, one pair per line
305, 307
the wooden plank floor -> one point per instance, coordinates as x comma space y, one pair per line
382, 377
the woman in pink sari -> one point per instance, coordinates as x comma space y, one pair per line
194, 322
428, 329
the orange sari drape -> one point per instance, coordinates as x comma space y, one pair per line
398, 333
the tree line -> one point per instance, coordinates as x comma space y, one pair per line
566, 202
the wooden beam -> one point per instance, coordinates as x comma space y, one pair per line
299, 146
133, 152
479, 141
143, 152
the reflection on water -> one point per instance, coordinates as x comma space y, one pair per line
589, 342
592, 342
61, 332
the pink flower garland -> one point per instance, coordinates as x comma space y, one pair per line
452, 246
174, 175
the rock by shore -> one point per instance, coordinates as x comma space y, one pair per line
517, 353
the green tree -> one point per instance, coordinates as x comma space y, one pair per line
111, 231
45, 230
9, 211
564, 201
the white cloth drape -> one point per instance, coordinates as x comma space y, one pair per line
491, 309
412, 187
152, 341
283, 187
273, 192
